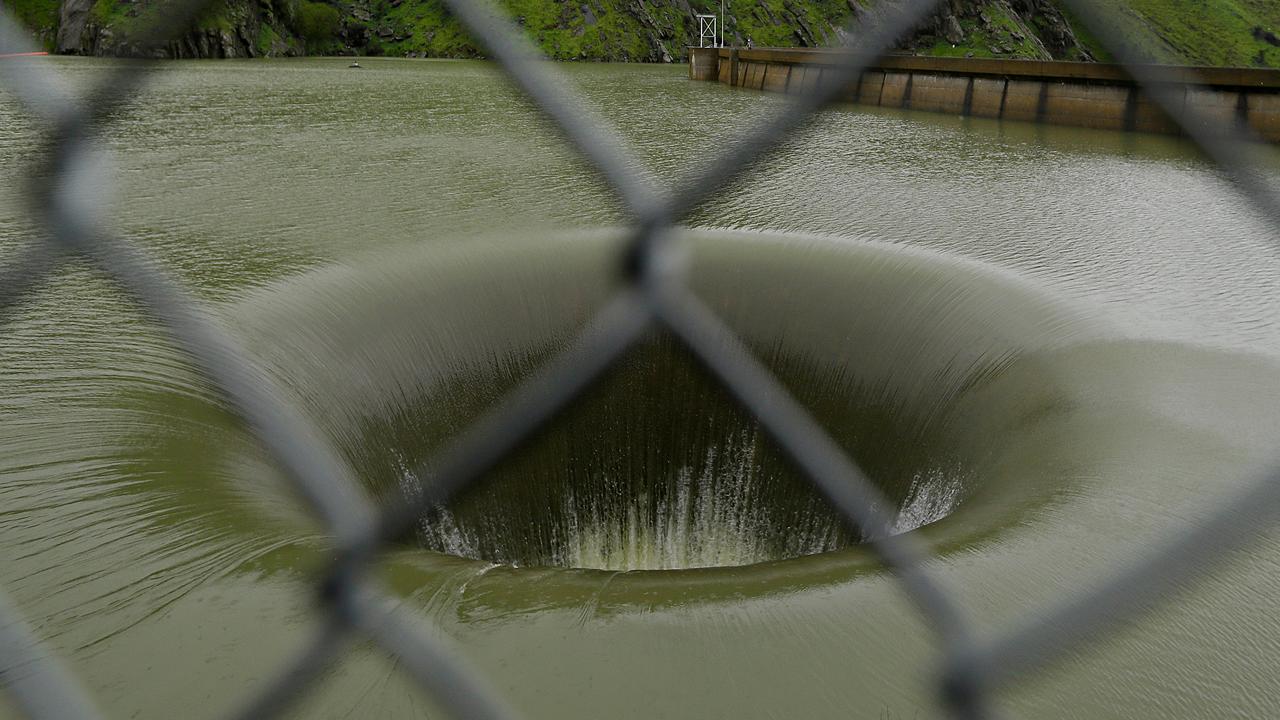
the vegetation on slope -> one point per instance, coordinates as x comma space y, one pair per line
628, 30
41, 16
996, 28
1204, 32
1211, 32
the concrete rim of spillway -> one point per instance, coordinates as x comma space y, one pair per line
314, 319
354, 339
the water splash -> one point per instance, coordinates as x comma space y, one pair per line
716, 517
713, 519
933, 495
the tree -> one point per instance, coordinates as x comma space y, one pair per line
318, 23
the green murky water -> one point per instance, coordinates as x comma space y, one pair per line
1050, 347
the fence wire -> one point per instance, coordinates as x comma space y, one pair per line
66, 197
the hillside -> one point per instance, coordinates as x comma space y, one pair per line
1211, 32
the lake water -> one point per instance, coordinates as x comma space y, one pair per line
1052, 347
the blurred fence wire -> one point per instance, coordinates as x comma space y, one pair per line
67, 196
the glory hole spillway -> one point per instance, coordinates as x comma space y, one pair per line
1047, 347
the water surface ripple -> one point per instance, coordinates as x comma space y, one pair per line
1082, 327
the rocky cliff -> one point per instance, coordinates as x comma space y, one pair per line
1239, 32
230, 29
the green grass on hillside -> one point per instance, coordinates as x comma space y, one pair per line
1196, 32
612, 28
1209, 32
39, 15
35, 13
1201, 32
1006, 37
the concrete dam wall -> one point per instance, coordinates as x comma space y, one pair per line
1094, 95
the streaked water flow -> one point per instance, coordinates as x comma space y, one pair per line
1047, 346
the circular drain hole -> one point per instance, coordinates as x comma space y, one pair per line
923, 368
657, 470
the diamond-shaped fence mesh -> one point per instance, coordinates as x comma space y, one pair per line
971, 669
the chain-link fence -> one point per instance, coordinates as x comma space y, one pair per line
64, 194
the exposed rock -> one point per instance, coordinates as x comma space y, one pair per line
1266, 36
73, 20
952, 31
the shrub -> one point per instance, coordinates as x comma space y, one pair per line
318, 23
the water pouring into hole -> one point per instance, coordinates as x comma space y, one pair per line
903, 357
657, 470
928, 370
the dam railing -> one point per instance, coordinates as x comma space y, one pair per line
66, 189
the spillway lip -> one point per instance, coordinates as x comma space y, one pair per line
306, 337
854, 558
493, 591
